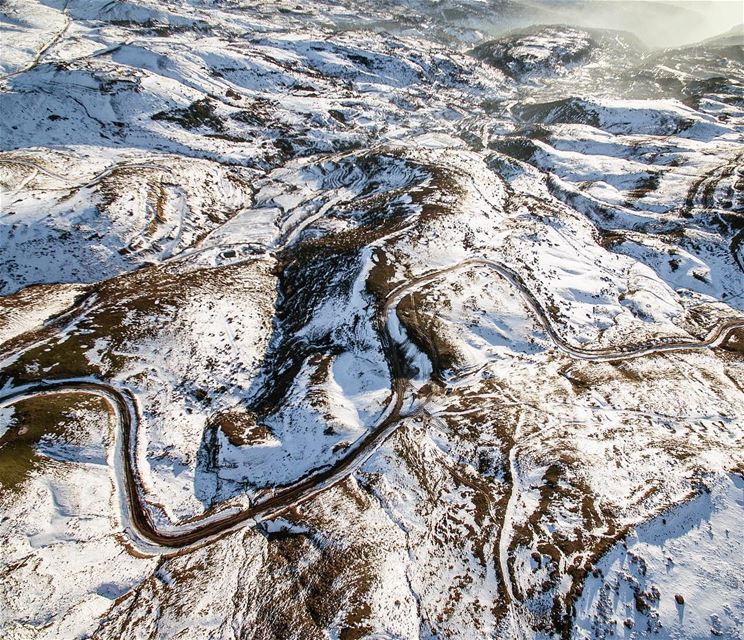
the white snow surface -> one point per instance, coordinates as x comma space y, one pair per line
225, 209
693, 551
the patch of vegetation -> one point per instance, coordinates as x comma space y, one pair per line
694, 90
161, 29
226, 136
735, 341
251, 118
198, 114
240, 428
566, 111
165, 30
35, 418
337, 115
644, 186
516, 147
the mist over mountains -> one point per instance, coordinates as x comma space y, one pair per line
371, 320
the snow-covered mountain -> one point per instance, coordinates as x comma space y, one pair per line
368, 320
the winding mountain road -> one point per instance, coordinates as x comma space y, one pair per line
139, 515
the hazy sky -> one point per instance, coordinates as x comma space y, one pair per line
659, 23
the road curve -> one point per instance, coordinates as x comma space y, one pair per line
124, 405
139, 514
715, 337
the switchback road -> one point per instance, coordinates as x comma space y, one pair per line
168, 539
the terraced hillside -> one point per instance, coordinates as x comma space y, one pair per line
368, 320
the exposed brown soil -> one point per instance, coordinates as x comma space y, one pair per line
240, 428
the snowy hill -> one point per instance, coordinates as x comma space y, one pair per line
368, 320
